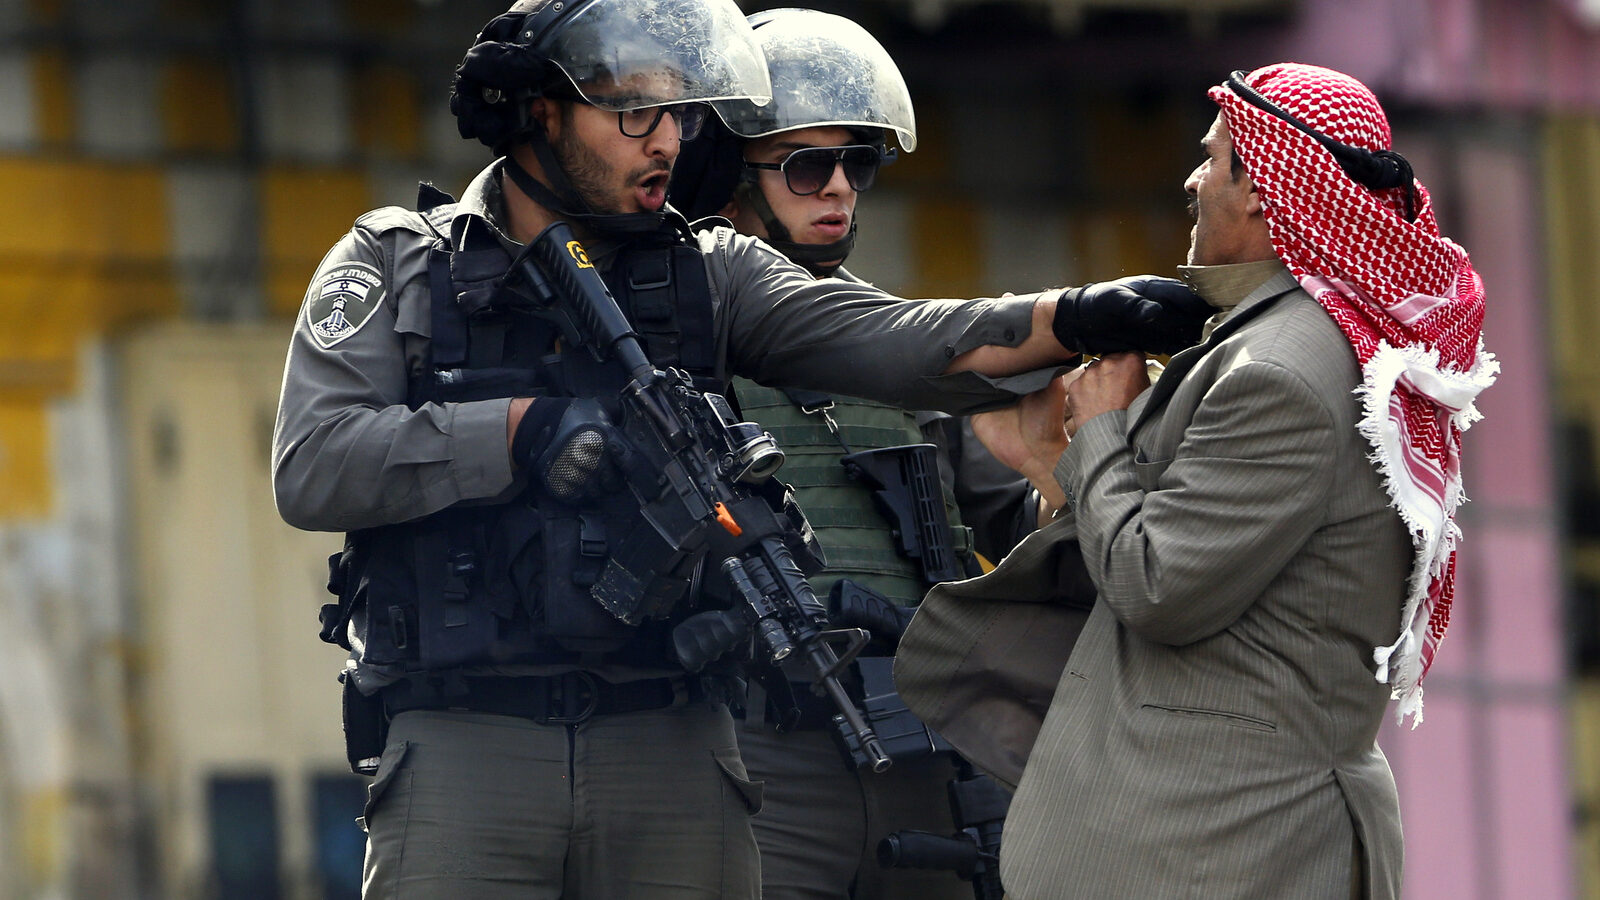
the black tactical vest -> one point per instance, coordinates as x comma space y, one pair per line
484, 583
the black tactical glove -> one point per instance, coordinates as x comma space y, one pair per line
705, 637
1141, 312
572, 448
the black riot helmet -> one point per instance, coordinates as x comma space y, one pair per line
617, 55
825, 70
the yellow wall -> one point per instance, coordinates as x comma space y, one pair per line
1572, 219
90, 255
303, 213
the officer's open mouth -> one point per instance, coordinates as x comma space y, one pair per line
652, 191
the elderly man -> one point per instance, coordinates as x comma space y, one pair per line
1213, 732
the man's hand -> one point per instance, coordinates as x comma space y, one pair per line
1110, 382
1142, 312
1031, 435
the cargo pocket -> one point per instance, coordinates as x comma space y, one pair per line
388, 770
733, 771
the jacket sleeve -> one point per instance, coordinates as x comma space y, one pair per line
347, 451
1243, 492
787, 329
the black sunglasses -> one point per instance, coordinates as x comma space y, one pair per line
809, 169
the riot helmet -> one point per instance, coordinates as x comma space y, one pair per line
617, 55
825, 70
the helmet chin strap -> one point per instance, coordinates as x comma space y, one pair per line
821, 260
561, 199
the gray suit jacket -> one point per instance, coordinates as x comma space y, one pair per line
1213, 732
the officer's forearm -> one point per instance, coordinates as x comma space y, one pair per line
345, 472
1038, 350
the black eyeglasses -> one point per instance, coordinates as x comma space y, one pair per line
809, 169
638, 123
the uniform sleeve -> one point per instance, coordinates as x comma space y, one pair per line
347, 451
1243, 492
787, 329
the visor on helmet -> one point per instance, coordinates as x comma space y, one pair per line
631, 54
825, 70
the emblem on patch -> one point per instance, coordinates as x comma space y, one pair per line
342, 301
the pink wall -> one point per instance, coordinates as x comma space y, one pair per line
1525, 54
1484, 784
1485, 788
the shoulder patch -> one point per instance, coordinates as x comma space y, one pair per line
342, 301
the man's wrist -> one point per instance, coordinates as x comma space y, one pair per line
1044, 321
519, 408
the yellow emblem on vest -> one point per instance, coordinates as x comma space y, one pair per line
578, 254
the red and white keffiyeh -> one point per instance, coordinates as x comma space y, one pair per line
1409, 302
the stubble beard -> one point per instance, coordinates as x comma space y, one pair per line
585, 171
590, 175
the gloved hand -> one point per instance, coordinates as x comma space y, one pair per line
1140, 312
572, 448
706, 637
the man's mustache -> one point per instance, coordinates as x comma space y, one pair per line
654, 167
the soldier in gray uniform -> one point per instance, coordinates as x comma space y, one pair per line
789, 172
525, 742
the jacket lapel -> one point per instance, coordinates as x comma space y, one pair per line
1180, 364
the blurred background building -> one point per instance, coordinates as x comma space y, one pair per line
169, 723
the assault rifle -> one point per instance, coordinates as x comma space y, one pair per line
704, 485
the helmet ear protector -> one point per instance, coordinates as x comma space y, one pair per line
1375, 170
506, 67
501, 72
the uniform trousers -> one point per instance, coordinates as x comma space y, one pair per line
820, 822
653, 805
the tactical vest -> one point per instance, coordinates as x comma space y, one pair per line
483, 583
854, 535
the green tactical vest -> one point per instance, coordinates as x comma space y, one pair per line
854, 536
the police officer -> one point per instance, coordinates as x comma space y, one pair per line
790, 171
524, 741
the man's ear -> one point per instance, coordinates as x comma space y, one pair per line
546, 113
1252, 201
731, 210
